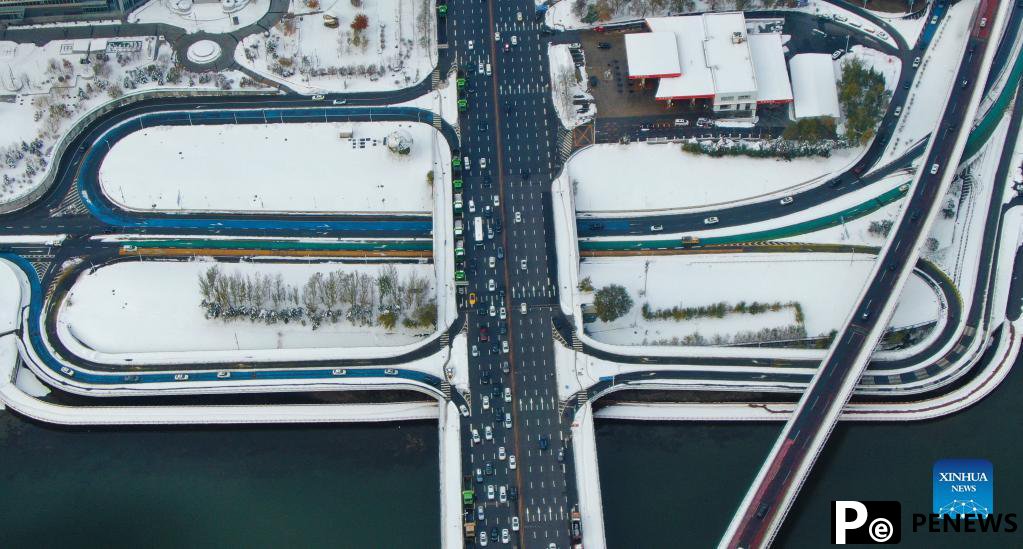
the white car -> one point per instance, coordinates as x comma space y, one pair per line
479, 68
522, 264
916, 62
934, 169
656, 228
490, 491
483, 161
504, 535
518, 16
475, 351
515, 523
500, 453
486, 402
493, 311
518, 217
497, 36
488, 69
497, 201
463, 409
483, 538
515, 40
502, 313
504, 344
470, 45
488, 433
491, 262
507, 395
786, 200
507, 421
511, 463
491, 285
475, 436
710, 221
472, 206
318, 98
898, 110
523, 308
503, 495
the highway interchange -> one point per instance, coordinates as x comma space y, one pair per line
511, 124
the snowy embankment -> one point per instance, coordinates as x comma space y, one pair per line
568, 84
908, 27
934, 78
275, 168
823, 285
53, 89
662, 178
376, 46
198, 16
151, 312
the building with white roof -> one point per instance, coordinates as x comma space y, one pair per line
715, 59
813, 85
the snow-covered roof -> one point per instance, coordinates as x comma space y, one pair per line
696, 79
813, 85
727, 51
769, 64
652, 55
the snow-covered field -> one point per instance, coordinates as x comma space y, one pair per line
52, 89
662, 177
395, 49
825, 286
566, 86
198, 16
274, 167
134, 308
933, 81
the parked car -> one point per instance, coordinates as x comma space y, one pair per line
710, 220
786, 200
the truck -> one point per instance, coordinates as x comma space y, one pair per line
470, 530
576, 529
477, 228
690, 241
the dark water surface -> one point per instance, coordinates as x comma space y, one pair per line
337, 486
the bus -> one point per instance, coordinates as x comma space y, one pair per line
477, 228
460, 278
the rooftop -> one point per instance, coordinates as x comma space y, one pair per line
652, 55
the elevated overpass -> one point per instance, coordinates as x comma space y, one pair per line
765, 505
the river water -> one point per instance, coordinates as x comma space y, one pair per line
677, 485
337, 486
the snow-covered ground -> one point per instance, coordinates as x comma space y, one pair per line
275, 167
660, 177
396, 49
908, 28
201, 16
567, 85
888, 65
824, 285
10, 298
933, 80
150, 311
52, 89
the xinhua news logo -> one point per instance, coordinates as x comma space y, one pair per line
963, 501
866, 522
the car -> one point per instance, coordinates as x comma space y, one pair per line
475, 351
502, 313
839, 17
488, 468
390, 372
223, 374
485, 378
490, 491
934, 169
515, 40
475, 436
479, 477
596, 226
497, 36
488, 212
593, 81
518, 217
502, 494
543, 443
934, 20
463, 410
837, 54
681, 122
505, 367
491, 285
483, 163
488, 69
494, 534
710, 220
762, 510
504, 344
865, 315
318, 98
882, 35
472, 206
340, 101
500, 453
898, 111
483, 538
479, 68
488, 433
561, 455
523, 308
511, 462
497, 200
68, 371
656, 228
518, 16
504, 535
916, 62
500, 252
485, 401
491, 262
508, 423
507, 394
481, 310
507, 47
479, 512
604, 45
472, 298
470, 44
906, 85
492, 311
704, 122
983, 22
786, 200
522, 264
964, 83
180, 377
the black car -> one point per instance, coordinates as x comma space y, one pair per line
482, 311
596, 226
513, 493
505, 367
603, 45
502, 329
494, 534
498, 225
485, 378
543, 443
593, 81
500, 249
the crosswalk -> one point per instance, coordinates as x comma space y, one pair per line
71, 204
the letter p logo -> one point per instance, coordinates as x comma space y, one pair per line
846, 516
